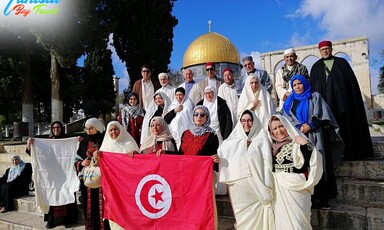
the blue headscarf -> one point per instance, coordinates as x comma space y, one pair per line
302, 107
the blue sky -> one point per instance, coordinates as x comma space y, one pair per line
261, 26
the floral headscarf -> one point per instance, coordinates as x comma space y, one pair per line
200, 130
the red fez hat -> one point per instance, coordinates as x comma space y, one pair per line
209, 64
325, 43
227, 69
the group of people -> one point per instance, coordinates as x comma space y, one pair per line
275, 166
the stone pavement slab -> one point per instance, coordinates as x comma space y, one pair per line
25, 221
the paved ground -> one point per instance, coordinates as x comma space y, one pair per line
18, 220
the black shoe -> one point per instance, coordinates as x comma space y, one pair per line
49, 226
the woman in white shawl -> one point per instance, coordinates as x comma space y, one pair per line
117, 140
246, 166
179, 116
221, 118
157, 107
160, 141
257, 99
297, 168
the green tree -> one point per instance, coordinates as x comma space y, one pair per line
98, 90
143, 35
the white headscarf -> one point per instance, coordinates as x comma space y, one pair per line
183, 119
122, 144
165, 136
150, 112
212, 107
95, 123
264, 110
239, 161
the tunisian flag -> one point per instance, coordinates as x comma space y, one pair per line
150, 192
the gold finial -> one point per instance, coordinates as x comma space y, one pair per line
209, 26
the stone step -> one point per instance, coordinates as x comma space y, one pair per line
340, 216
7, 157
26, 221
367, 169
27, 204
364, 192
378, 148
17, 147
346, 216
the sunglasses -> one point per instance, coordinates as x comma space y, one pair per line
209, 69
196, 114
146, 71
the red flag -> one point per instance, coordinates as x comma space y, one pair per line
166, 192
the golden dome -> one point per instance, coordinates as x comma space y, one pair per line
210, 47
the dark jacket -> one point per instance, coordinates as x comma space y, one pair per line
224, 114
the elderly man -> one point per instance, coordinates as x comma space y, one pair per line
286, 72
165, 87
145, 87
228, 92
263, 76
197, 91
336, 82
188, 81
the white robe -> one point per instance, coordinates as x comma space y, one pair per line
292, 204
122, 144
279, 85
183, 119
149, 114
264, 109
229, 94
168, 90
248, 173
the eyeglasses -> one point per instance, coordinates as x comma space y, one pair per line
209, 69
145, 71
246, 121
208, 93
196, 114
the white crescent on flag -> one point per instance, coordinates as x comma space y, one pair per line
153, 196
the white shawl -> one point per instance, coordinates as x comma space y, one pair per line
149, 114
122, 144
237, 161
229, 94
212, 107
292, 203
183, 119
264, 110
53, 172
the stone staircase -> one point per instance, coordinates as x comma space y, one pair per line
27, 217
360, 203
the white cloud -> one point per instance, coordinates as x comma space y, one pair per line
346, 19
256, 58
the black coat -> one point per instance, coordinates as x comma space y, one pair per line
342, 93
225, 118
16, 188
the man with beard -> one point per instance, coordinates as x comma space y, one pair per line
336, 82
